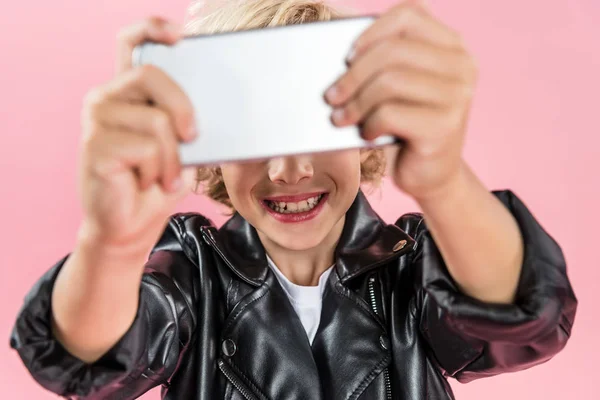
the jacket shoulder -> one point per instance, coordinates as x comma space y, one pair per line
172, 261
181, 232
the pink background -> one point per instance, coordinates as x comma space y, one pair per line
534, 129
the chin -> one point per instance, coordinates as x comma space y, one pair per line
296, 241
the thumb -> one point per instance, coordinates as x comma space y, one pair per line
422, 4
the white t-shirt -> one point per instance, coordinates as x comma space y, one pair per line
306, 300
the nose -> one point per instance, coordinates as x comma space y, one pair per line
290, 170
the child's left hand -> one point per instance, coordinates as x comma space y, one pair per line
410, 76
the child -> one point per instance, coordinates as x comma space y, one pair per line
305, 293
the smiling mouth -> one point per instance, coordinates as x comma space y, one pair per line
288, 207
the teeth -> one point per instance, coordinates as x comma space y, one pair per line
289, 208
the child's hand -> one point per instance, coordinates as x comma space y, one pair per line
410, 76
130, 164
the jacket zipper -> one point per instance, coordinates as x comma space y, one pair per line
386, 373
235, 381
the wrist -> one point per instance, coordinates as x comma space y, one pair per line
456, 185
88, 241
97, 274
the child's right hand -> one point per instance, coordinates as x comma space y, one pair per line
130, 173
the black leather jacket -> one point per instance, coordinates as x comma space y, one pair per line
214, 323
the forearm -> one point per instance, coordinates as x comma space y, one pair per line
478, 238
95, 298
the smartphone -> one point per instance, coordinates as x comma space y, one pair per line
259, 93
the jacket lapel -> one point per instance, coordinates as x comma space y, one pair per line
272, 355
367, 242
347, 347
240, 247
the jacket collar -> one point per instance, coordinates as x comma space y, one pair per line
366, 243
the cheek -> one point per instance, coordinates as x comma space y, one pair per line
239, 180
233, 177
344, 168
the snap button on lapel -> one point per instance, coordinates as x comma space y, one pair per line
399, 246
228, 347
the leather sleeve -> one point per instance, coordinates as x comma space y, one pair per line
470, 339
149, 352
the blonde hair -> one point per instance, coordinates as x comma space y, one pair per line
215, 16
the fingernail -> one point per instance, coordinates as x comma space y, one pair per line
332, 93
338, 115
351, 55
193, 132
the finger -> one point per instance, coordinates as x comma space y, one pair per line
401, 53
188, 179
401, 85
116, 149
189, 176
407, 20
148, 83
148, 120
153, 29
422, 127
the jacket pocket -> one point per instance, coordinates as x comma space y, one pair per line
241, 388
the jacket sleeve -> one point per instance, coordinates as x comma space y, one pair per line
470, 339
145, 357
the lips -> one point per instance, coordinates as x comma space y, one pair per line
295, 208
